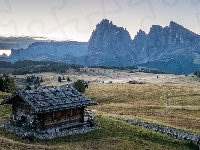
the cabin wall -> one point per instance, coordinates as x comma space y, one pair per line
20, 108
63, 118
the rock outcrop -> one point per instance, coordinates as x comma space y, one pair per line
109, 45
173, 47
166, 43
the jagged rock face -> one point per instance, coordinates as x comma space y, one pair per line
138, 45
162, 47
165, 43
109, 45
112, 45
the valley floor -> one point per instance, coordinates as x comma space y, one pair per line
164, 99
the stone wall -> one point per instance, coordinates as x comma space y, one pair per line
172, 132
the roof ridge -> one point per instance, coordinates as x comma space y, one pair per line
48, 100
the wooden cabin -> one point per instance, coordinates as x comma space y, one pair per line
48, 108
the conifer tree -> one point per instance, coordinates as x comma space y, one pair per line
68, 79
9, 85
79, 85
41, 80
59, 79
1, 84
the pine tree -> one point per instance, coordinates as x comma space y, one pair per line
33, 77
68, 79
59, 79
29, 79
5, 84
36, 80
1, 84
79, 85
9, 85
4, 75
41, 80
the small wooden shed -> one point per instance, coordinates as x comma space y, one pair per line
47, 108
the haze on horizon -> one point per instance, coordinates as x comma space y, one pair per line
75, 20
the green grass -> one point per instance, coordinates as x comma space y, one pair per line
113, 134
5, 110
120, 135
127, 101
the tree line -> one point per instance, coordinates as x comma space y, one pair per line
154, 71
34, 79
145, 70
29, 66
115, 67
63, 78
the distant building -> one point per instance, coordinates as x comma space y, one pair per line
133, 82
48, 108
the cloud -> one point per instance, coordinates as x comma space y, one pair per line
7, 43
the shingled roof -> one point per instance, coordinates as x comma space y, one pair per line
52, 99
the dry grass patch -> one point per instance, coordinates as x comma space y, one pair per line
176, 105
121, 93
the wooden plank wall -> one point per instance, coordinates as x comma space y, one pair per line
62, 118
20, 108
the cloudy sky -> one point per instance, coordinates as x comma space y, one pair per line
75, 19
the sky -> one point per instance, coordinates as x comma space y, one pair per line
76, 19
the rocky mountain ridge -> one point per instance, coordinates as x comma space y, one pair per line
172, 49
161, 44
56, 51
166, 43
109, 45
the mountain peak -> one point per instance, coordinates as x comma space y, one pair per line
174, 23
155, 27
180, 29
141, 32
109, 39
105, 21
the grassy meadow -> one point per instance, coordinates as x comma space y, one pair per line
114, 134
168, 104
